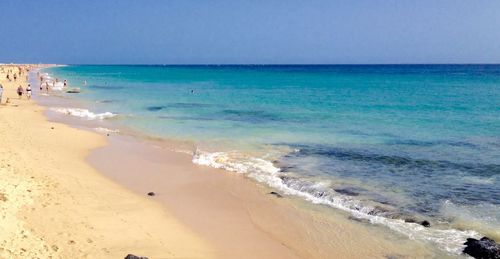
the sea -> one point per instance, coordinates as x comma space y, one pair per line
398, 146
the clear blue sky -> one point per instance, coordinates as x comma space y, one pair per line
258, 31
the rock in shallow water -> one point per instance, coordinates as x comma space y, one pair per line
347, 191
131, 256
425, 223
484, 248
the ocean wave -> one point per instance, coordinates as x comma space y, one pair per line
482, 216
58, 86
84, 113
450, 240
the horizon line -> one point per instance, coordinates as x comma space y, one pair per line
247, 64
265, 64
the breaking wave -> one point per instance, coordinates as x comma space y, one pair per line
84, 113
450, 240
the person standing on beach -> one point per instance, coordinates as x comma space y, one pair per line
20, 91
47, 86
28, 92
65, 82
1, 92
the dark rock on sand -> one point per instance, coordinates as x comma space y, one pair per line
51, 127
484, 248
276, 194
424, 223
151, 194
131, 256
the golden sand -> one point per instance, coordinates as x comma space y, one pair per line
54, 205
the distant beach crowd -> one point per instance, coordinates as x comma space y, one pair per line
15, 74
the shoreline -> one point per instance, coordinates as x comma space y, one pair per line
387, 243
243, 206
54, 205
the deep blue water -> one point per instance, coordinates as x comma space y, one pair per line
397, 141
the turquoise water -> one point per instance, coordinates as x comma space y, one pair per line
385, 143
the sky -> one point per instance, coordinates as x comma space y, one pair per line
249, 32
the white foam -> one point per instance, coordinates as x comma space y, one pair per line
84, 113
59, 86
483, 216
450, 240
479, 180
106, 130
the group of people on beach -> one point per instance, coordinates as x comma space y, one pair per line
21, 90
47, 83
13, 75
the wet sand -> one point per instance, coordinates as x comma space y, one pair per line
238, 216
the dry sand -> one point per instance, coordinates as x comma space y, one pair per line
54, 205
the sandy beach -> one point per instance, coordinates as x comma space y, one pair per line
54, 205
249, 129
70, 193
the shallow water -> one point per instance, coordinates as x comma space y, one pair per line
386, 143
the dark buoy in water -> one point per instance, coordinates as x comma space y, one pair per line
151, 194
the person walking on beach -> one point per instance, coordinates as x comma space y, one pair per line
65, 82
47, 86
1, 92
20, 91
28, 92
